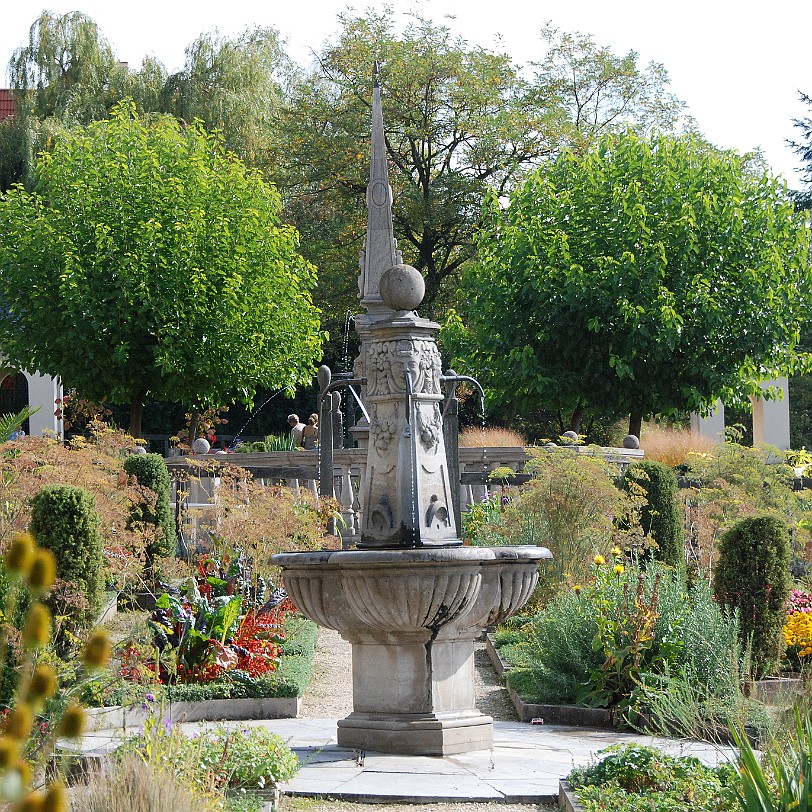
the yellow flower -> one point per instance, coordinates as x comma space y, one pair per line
43, 683
37, 631
599, 560
20, 553
576, 588
19, 722
56, 798
98, 649
73, 722
9, 752
43, 571
33, 802
619, 569
616, 551
24, 769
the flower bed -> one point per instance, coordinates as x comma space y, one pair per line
220, 640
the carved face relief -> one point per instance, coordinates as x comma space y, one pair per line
429, 426
384, 427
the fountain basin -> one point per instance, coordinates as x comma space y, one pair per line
412, 616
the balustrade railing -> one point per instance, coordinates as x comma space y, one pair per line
196, 479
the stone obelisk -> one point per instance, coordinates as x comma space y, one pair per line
406, 492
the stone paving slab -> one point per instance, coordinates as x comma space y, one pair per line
523, 767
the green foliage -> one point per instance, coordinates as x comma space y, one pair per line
151, 472
571, 506
116, 269
9, 423
635, 778
660, 517
249, 758
14, 604
596, 645
652, 252
780, 781
64, 520
234, 86
752, 576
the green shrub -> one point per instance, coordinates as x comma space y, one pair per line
660, 517
151, 472
634, 778
595, 646
752, 576
64, 520
568, 506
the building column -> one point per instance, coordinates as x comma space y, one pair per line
771, 417
711, 427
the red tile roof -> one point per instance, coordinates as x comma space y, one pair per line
7, 105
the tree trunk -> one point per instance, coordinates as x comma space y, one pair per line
576, 418
194, 423
636, 424
136, 411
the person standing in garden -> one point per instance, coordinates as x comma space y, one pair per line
296, 429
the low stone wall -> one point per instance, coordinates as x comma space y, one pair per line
210, 710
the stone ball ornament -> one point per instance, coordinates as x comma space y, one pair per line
402, 287
631, 442
201, 446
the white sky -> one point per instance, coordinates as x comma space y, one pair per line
738, 65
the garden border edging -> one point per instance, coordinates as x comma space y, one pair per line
567, 799
573, 715
209, 710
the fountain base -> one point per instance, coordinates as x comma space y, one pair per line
412, 616
432, 734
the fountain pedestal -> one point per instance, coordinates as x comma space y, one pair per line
412, 617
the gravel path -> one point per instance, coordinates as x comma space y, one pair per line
329, 696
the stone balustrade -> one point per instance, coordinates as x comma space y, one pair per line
196, 478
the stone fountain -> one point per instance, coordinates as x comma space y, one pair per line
410, 599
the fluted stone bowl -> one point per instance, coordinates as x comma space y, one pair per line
403, 591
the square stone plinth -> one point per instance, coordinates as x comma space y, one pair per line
410, 734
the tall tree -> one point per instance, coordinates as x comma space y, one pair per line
602, 92
234, 86
460, 120
643, 276
148, 262
804, 148
457, 122
67, 70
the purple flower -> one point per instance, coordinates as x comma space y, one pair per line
150, 697
167, 725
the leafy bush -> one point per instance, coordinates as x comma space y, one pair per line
660, 517
156, 512
597, 644
752, 576
249, 758
570, 506
633, 778
733, 482
64, 520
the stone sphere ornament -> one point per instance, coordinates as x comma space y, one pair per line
630, 441
201, 446
402, 287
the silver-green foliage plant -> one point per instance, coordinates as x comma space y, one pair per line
566, 652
